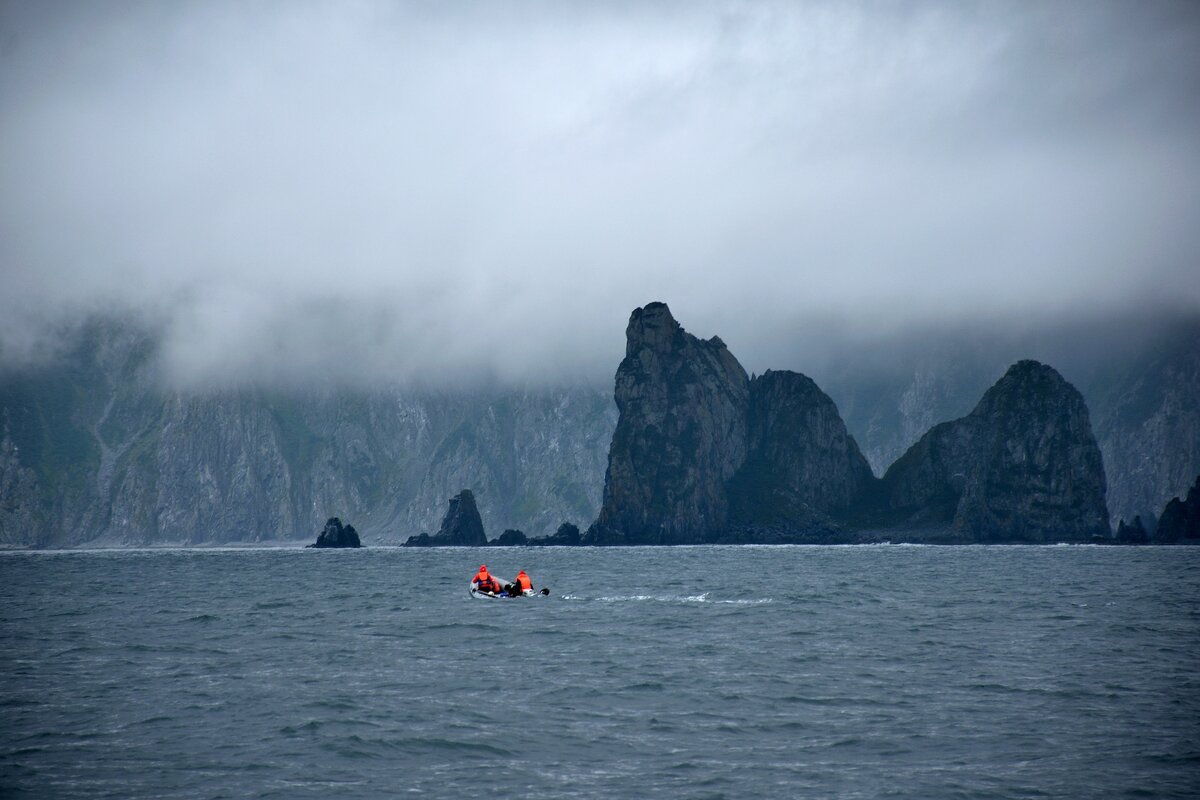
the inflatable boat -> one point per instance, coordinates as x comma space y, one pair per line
543, 592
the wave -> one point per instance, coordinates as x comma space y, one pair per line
668, 598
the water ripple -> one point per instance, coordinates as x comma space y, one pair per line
691, 672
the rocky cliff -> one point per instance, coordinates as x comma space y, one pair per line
801, 465
1148, 424
1022, 467
680, 435
701, 454
1140, 376
95, 448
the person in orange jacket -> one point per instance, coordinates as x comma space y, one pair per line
484, 582
523, 583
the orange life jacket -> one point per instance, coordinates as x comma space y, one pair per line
523, 579
486, 582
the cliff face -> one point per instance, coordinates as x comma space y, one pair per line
209, 470
801, 464
1022, 467
533, 459
1148, 426
680, 436
20, 504
94, 449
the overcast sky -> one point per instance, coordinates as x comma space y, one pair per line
386, 190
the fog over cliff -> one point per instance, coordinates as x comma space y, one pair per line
408, 192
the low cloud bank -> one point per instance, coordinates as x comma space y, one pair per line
405, 192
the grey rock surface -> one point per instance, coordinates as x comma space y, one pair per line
1140, 377
461, 527
336, 535
802, 466
680, 436
702, 454
97, 448
1147, 421
1022, 467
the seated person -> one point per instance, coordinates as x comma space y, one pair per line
523, 582
484, 582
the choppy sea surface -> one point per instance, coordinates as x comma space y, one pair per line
705, 672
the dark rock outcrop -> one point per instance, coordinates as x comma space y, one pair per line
701, 454
461, 527
1180, 520
1022, 467
1134, 533
1139, 372
801, 465
567, 535
680, 437
511, 538
335, 535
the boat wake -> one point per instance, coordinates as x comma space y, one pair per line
669, 598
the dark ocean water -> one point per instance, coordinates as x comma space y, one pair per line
707, 672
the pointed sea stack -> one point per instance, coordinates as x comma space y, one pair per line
461, 527
680, 437
1022, 467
